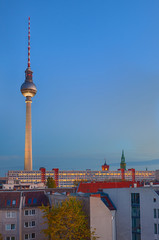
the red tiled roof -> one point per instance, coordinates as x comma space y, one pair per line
10, 199
33, 199
93, 187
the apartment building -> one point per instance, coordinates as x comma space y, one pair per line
20, 215
137, 215
10, 203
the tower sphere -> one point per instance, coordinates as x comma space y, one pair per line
28, 89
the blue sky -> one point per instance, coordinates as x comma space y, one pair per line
96, 68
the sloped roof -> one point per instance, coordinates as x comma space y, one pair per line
157, 192
9, 199
105, 199
35, 199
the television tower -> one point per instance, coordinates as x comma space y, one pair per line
28, 89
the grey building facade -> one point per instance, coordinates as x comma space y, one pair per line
137, 215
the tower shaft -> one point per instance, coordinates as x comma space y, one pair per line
28, 137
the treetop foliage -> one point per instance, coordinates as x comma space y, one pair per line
67, 221
50, 183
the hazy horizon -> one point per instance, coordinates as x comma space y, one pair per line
96, 68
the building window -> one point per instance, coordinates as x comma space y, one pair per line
14, 202
29, 236
10, 238
29, 224
10, 214
135, 199
33, 212
135, 211
154, 199
26, 213
136, 236
29, 201
155, 213
34, 200
33, 223
29, 212
10, 226
26, 224
155, 228
33, 235
8, 202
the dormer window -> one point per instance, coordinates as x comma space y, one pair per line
34, 200
8, 202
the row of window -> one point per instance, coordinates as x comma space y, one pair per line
11, 202
10, 214
10, 238
29, 224
29, 212
26, 224
26, 236
29, 236
30, 201
156, 213
10, 226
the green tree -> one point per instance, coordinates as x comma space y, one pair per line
77, 182
67, 221
50, 183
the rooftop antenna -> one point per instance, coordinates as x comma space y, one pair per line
28, 42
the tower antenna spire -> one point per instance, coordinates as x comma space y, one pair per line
28, 42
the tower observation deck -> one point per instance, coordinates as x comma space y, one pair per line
28, 89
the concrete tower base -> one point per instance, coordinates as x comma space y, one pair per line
28, 137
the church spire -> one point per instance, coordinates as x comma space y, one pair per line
123, 163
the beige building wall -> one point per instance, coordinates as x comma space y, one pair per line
4, 220
39, 223
101, 219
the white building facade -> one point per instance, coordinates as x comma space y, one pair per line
137, 215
